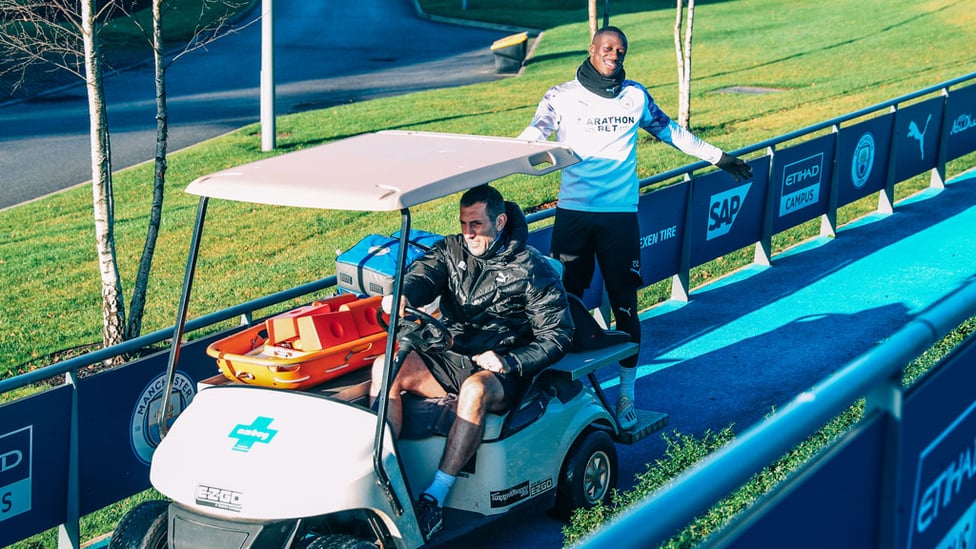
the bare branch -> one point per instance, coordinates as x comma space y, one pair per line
223, 25
39, 33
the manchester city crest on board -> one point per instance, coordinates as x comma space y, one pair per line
863, 160
144, 428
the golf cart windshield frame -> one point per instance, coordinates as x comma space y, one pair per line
384, 171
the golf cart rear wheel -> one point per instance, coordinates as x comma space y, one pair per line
588, 474
143, 527
340, 541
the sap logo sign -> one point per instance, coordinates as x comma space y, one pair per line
723, 209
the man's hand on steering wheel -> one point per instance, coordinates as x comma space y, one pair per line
386, 304
416, 329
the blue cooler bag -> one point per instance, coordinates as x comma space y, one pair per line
368, 267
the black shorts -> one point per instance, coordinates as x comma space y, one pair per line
450, 369
610, 238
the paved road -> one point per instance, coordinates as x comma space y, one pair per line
324, 56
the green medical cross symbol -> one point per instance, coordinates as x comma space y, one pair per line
248, 435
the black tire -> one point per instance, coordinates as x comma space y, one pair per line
145, 526
340, 541
589, 474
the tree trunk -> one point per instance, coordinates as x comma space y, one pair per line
683, 53
137, 308
113, 306
591, 5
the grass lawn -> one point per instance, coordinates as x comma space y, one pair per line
828, 62
828, 58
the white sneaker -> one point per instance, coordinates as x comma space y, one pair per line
626, 414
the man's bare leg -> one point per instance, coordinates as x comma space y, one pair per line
413, 377
481, 393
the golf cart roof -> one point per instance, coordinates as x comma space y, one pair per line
383, 171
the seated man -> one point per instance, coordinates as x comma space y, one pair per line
507, 311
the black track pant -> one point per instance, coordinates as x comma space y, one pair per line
613, 240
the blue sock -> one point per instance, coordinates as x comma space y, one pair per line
442, 484
628, 376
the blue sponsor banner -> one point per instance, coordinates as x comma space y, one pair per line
662, 224
839, 492
117, 427
937, 481
727, 215
801, 182
962, 122
916, 139
34, 435
593, 296
862, 158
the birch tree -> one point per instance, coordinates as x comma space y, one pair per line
682, 50
64, 34
214, 20
591, 16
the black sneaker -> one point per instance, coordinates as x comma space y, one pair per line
430, 516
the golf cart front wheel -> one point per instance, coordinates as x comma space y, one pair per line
145, 526
588, 474
340, 541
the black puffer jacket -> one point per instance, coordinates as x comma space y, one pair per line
511, 301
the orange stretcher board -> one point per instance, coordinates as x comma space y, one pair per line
305, 346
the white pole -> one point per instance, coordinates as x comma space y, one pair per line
267, 77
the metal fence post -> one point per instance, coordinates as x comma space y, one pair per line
886, 198
764, 248
69, 533
828, 223
681, 281
937, 179
886, 398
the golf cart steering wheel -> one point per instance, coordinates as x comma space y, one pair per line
419, 330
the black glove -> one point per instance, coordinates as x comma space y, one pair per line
735, 167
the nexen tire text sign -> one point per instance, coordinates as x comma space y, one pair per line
662, 224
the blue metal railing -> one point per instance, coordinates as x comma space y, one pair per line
662, 514
132, 345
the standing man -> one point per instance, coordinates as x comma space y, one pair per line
598, 115
508, 313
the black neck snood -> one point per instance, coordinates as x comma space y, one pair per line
603, 86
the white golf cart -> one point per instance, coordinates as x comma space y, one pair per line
248, 466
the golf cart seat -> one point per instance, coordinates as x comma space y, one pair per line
424, 417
